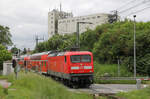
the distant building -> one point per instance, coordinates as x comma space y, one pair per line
64, 23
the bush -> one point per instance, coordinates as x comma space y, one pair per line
4, 56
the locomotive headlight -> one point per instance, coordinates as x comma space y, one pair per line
74, 67
87, 67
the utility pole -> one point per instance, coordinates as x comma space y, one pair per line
116, 15
78, 34
118, 67
113, 17
134, 16
37, 39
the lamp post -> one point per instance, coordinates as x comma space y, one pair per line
134, 16
78, 35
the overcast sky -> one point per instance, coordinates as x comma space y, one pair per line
29, 17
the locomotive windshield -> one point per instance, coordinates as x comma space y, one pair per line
80, 58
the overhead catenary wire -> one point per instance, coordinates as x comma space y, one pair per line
138, 11
143, 2
130, 2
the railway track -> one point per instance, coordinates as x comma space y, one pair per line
122, 78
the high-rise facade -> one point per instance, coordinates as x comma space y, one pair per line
64, 23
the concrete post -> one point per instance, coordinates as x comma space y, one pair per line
7, 68
138, 83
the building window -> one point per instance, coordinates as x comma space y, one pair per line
88, 18
52, 14
51, 21
72, 20
51, 17
98, 16
68, 20
83, 18
93, 17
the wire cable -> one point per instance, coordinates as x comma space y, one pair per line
134, 6
126, 4
138, 11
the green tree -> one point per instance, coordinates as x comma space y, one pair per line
24, 51
14, 50
4, 56
5, 36
41, 47
57, 42
117, 41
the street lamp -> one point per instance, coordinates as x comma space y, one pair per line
134, 16
78, 38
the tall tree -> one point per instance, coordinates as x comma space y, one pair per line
5, 36
24, 51
14, 50
4, 56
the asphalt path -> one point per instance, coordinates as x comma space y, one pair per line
108, 88
4, 83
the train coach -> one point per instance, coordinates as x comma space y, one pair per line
73, 68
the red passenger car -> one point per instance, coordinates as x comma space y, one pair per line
39, 62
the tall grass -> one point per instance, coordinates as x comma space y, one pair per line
33, 86
137, 94
111, 69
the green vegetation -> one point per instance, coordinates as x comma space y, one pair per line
5, 39
117, 42
137, 94
14, 50
2, 77
33, 86
4, 56
5, 36
57, 42
111, 70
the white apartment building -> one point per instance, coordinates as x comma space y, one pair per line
64, 23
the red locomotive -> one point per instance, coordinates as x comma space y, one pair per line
74, 68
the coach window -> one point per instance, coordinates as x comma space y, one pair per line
41, 63
45, 63
65, 59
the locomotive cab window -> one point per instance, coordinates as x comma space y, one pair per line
80, 58
85, 58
